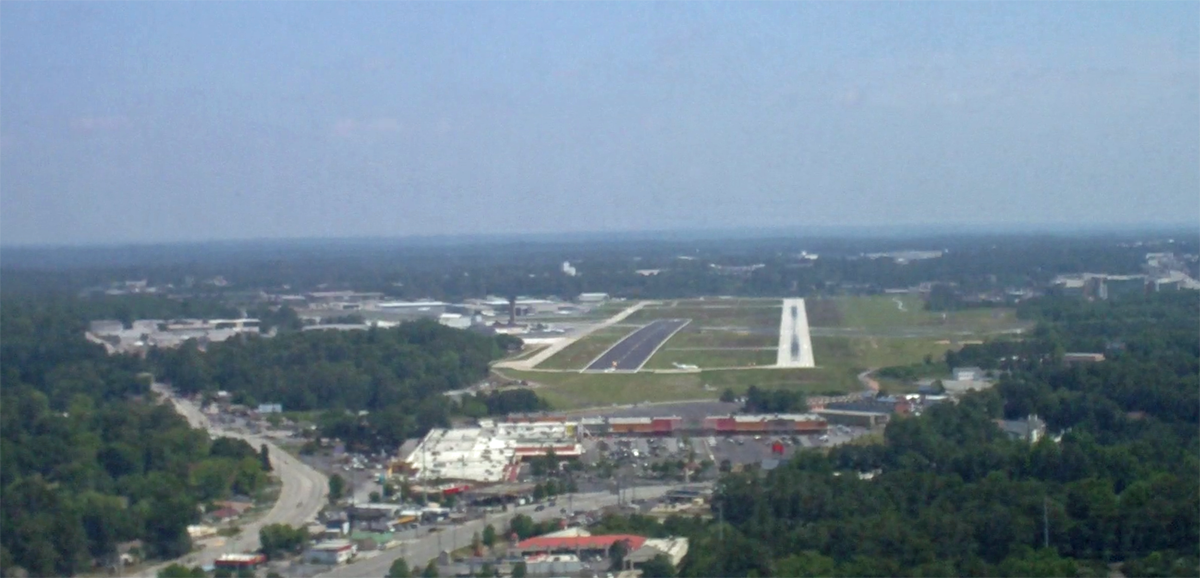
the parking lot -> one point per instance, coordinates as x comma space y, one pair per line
634, 457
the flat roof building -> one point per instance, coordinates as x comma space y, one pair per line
491, 452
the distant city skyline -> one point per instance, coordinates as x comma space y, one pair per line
183, 122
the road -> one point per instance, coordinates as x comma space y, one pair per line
421, 550
304, 490
630, 353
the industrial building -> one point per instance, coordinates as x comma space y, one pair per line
238, 561
331, 552
491, 452
788, 424
868, 419
644, 425
145, 333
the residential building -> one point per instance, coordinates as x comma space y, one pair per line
1030, 429
331, 552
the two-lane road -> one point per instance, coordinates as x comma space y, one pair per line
304, 490
418, 552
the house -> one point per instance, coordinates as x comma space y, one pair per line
1030, 429
331, 552
238, 506
959, 386
593, 544
368, 541
365, 512
968, 374
236, 561
130, 552
1080, 358
198, 532
337, 528
673, 548
224, 514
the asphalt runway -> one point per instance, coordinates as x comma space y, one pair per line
795, 343
631, 353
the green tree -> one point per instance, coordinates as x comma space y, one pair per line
519, 570
431, 570
399, 569
489, 536
279, 539
807, 564
337, 486
661, 567
728, 396
616, 555
264, 457
522, 526
178, 571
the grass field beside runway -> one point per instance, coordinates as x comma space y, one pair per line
704, 358
690, 337
858, 333
733, 314
579, 354
884, 312
573, 390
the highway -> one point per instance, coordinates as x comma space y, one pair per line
426, 547
304, 491
632, 352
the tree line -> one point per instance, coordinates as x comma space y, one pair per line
1115, 480
396, 375
89, 460
686, 268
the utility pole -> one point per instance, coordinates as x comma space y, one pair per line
1045, 524
721, 525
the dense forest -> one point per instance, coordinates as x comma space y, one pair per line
408, 270
397, 375
954, 496
88, 460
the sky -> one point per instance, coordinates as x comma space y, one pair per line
148, 122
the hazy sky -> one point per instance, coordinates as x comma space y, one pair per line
162, 121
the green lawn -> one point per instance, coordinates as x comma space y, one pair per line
571, 390
702, 358
880, 312
527, 352
759, 315
691, 336
868, 332
860, 353
577, 355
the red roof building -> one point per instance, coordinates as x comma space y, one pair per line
547, 544
239, 560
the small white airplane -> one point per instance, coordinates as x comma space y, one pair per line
685, 366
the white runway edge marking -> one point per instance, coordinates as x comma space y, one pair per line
663, 342
598, 357
793, 329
